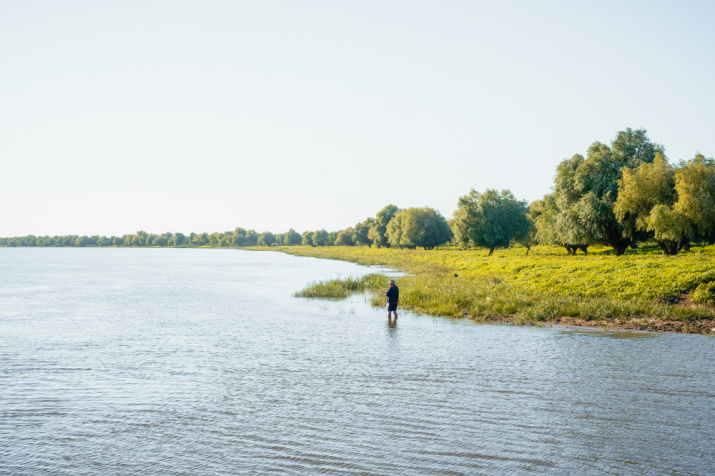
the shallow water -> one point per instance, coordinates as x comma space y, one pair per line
185, 361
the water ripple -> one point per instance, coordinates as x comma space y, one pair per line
169, 362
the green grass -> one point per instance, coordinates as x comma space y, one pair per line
542, 286
340, 288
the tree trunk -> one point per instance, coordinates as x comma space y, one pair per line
491, 250
620, 244
620, 248
669, 247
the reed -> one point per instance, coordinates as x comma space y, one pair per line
340, 288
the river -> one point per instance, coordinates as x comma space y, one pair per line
202, 362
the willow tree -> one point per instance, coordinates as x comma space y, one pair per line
378, 229
675, 205
320, 238
695, 185
413, 227
362, 232
345, 237
586, 189
491, 219
292, 237
640, 191
266, 239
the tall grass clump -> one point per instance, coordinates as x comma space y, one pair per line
340, 288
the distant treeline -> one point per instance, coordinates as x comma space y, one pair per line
617, 195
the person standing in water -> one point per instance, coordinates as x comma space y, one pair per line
393, 295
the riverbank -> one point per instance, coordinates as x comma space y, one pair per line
642, 290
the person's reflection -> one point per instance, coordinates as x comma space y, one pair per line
392, 337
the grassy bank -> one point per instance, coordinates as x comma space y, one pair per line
641, 290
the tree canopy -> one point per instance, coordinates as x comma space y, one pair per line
412, 227
586, 189
378, 229
673, 205
491, 219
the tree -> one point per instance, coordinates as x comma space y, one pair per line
642, 189
412, 227
378, 230
632, 148
362, 233
674, 205
546, 231
320, 238
345, 237
251, 238
291, 237
585, 191
695, 185
239, 237
81, 241
669, 227
266, 239
201, 239
307, 239
490, 219
143, 238
528, 238
160, 241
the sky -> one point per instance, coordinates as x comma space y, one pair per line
208, 115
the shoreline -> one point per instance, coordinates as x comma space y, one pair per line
457, 303
705, 326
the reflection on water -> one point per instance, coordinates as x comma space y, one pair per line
129, 361
612, 334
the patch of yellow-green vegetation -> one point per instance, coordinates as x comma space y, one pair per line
703, 294
543, 285
340, 288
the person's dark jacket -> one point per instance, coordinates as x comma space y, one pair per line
393, 294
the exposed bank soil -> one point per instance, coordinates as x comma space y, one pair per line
704, 326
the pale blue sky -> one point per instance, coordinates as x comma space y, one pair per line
208, 115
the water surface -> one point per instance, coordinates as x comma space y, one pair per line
185, 361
